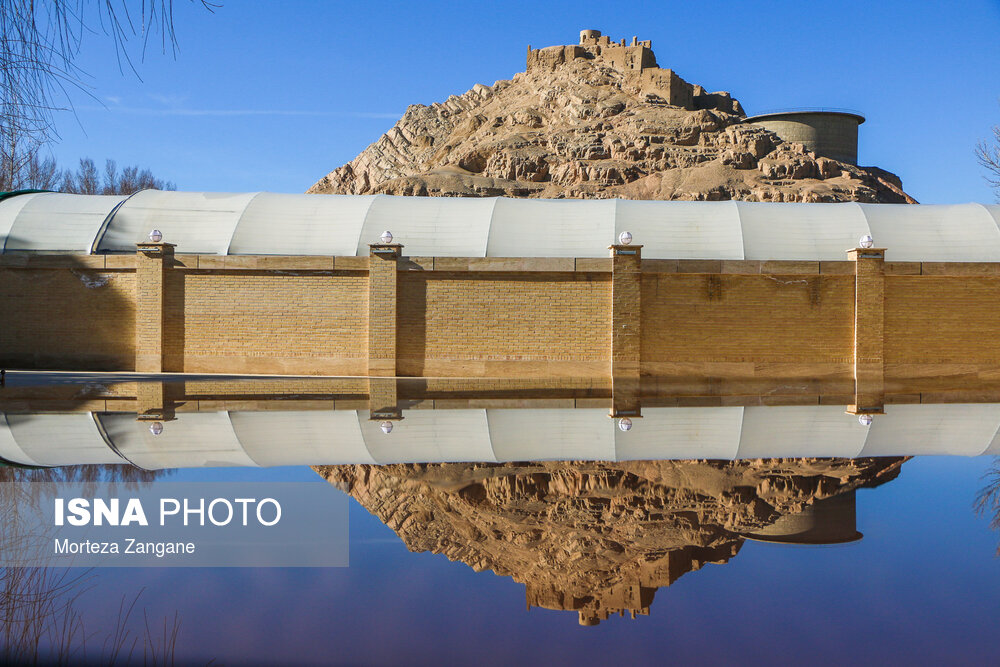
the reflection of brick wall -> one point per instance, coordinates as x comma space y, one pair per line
516, 317
208, 389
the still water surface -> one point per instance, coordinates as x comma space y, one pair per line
752, 561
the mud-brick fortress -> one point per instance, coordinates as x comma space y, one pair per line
638, 63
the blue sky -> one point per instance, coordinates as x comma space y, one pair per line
272, 96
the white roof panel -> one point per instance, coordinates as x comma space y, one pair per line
9, 449
301, 437
430, 435
994, 211
193, 440
800, 430
552, 228
953, 429
957, 233
10, 208
681, 433
994, 447
278, 224
682, 230
60, 222
552, 435
800, 231
61, 439
430, 226
197, 222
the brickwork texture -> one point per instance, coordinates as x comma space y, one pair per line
519, 318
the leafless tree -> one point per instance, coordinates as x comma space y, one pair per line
988, 498
39, 44
86, 180
988, 154
30, 171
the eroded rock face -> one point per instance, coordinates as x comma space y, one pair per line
601, 538
586, 127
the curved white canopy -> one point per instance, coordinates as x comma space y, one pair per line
54, 222
283, 224
330, 437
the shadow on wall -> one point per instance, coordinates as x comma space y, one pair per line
65, 311
173, 320
411, 317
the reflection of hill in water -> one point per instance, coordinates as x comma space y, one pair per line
600, 538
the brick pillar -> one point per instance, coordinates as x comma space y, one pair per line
383, 399
153, 401
151, 262
869, 298
626, 328
383, 263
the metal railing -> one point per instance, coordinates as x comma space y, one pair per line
768, 112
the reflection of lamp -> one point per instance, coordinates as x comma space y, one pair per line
156, 236
386, 237
386, 427
866, 241
624, 238
865, 420
156, 428
624, 423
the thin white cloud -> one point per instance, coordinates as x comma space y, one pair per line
145, 111
168, 100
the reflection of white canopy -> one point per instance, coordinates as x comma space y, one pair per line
328, 437
283, 224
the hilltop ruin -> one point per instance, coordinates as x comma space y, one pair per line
594, 120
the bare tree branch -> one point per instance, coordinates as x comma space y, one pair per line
988, 498
40, 617
22, 167
41, 39
988, 154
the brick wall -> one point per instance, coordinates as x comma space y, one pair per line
72, 318
485, 323
941, 320
516, 318
731, 324
266, 322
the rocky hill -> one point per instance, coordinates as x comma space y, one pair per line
598, 538
598, 120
